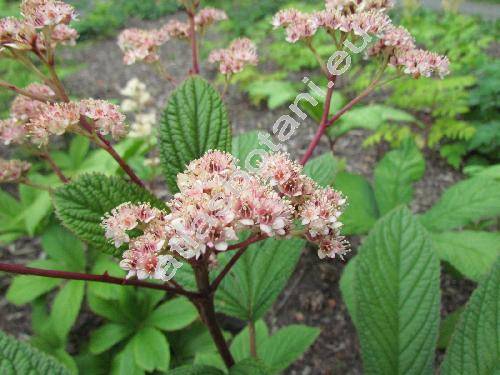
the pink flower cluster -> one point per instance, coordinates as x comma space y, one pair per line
12, 131
50, 15
141, 45
208, 16
241, 52
177, 29
297, 25
216, 201
107, 117
13, 170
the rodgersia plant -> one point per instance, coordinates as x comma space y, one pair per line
223, 209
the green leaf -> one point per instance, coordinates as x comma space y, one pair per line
244, 144
322, 169
468, 201
240, 346
108, 309
397, 297
249, 366
81, 204
257, 279
394, 176
276, 93
195, 370
474, 346
36, 207
348, 288
194, 122
151, 350
24, 289
66, 307
124, 363
105, 263
362, 211
189, 342
64, 247
286, 346
173, 315
471, 253
78, 149
19, 358
447, 328
106, 336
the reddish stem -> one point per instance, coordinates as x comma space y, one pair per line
215, 284
324, 120
23, 270
194, 44
26, 93
247, 242
46, 156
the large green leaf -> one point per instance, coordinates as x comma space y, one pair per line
66, 307
194, 122
249, 366
286, 346
257, 279
347, 286
395, 174
19, 358
475, 345
468, 201
397, 297
361, 211
107, 336
240, 346
64, 247
81, 204
151, 349
322, 169
172, 315
471, 253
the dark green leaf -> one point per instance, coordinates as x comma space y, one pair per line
194, 122
124, 363
195, 370
447, 328
348, 288
474, 346
397, 297
81, 204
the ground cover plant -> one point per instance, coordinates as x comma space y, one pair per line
156, 270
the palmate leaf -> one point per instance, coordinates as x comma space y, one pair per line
468, 201
256, 280
395, 174
194, 122
475, 344
397, 297
81, 204
19, 358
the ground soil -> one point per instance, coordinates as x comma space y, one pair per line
312, 296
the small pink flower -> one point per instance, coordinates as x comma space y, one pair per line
12, 131
208, 16
371, 22
24, 108
297, 25
13, 170
65, 35
419, 63
42, 13
241, 52
141, 45
177, 29
107, 117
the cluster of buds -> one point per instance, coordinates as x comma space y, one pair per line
356, 18
217, 202
141, 45
241, 52
44, 23
13, 170
36, 121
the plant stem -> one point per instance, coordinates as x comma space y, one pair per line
34, 185
192, 36
26, 93
324, 120
206, 309
248, 241
46, 156
105, 278
215, 284
252, 337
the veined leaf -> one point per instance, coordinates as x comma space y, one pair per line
194, 122
322, 169
468, 201
172, 315
397, 297
474, 346
240, 346
249, 366
471, 253
395, 174
447, 327
257, 279
20, 358
348, 288
361, 211
151, 349
81, 204
66, 307
64, 247
108, 335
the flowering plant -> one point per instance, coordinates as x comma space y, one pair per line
224, 207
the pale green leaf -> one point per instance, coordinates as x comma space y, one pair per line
466, 202
151, 350
81, 204
322, 169
258, 277
348, 288
172, 315
64, 247
475, 344
66, 307
24, 289
397, 297
108, 335
194, 122
471, 253
124, 363
394, 176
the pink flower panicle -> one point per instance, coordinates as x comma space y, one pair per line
418, 62
24, 108
216, 202
106, 116
12, 131
177, 29
141, 45
13, 170
43, 13
298, 25
241, 52
208, 16
370, 22
393, 39
65, 35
